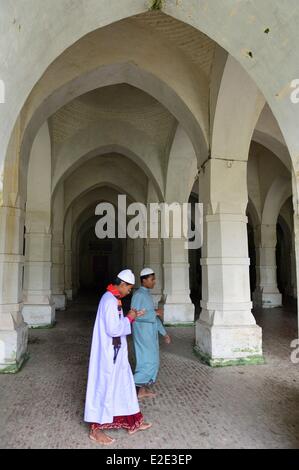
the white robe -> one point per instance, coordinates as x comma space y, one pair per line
110, 389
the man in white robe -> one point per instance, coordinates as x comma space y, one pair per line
111, 399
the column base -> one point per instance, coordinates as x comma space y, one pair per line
69, 294
178, 314
220, 346
39, 316
59, 301
74, 292
13, 349
267, 299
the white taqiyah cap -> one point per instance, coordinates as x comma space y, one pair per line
127, 276
146, 272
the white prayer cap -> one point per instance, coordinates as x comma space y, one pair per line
127, 276
146, 272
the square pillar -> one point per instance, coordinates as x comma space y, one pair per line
267, 294
178, 308
13, 329
68, 275
152, 259
38, 309
226, 332
58, 289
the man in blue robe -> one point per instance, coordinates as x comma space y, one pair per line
146, 331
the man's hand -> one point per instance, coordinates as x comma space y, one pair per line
133, 313
167, 339
159, 312
140, 313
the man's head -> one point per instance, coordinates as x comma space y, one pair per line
148, 278
124, 282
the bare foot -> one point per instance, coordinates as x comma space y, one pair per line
143, 427
100, 437
144, 393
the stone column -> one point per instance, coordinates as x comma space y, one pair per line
296, 242
68, 256
178, 307
267, 294
295, 187
75, 262
226, 332
138, 257
293, 292
58, 217
153, 259
75, 275
13, 330
129, 254
58, 288
38, 309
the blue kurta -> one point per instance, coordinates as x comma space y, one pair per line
146, 339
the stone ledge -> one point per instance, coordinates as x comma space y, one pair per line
221, 362
43, 327
16, 367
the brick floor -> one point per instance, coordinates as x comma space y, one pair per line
196, 407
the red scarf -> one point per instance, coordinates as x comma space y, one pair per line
111, 288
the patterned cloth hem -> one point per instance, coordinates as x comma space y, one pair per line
130, 423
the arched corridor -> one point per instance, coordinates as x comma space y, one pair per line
117, 131
129, 132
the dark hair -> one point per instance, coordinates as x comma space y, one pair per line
146, 277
